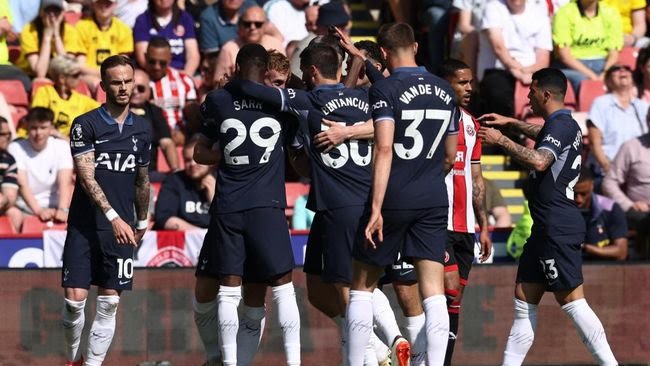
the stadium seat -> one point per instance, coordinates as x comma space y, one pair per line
14, 93
5, 226
37, 83
156, 190
590, 90
100, 95
33, 225
162, 162
627, 57
522, 107
14, 53
294, 190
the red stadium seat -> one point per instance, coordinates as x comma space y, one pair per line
5, 226
37, 83
162, 162
100, 95
33, 225
294, 190
628, 56
590, 90
156, 190
14, 93
14, 53
522, 107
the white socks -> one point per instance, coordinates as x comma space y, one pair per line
250, 332
205, 318
228, 299
591, 331
73, 325
437, 328
384, 317
102, 330
284, 297
522, 333
358, 318
416, 335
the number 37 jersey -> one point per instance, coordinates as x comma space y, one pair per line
250, 137
424, 111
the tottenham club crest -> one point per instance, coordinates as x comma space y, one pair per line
76, 132
135, 143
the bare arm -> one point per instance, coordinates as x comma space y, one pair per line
596, 142
192, 56
502, 217
612, 59
169, 150
337, 133
383, 159
638, 24
478, 203
64, 181
565, 56
40, 62
542, 60
176, 223
140, 49
464, 25
203, 152
451, 144
616, 250
538, 160
495, 37
142, 191
530, 130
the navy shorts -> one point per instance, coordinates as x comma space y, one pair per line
253, 244
418, 233
329, 247
553, 261
460, 254
95, 258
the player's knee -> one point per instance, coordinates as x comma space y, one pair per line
72, 310
229, 294
107, 305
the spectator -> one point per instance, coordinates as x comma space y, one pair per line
587, 35
496, 206
470, 13
641, 74
165, 19
61, 98
302, 216
436, 19
7, 70
628, 183
44, 168
8, 171
208, 75
185, 196
219, 23
23, 12
173, 90
613, 119
251, 24
102, 35
633, 21
288, 16
162, 136
606, 236
45, 37
515, 41
128, 10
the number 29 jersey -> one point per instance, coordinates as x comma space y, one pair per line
550, 192
423, 109
250, 137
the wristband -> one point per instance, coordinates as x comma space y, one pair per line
111, 215
142, 224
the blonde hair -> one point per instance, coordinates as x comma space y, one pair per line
63, 65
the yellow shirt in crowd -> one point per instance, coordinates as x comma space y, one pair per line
30, 44
98, 44
625, 8
5, 12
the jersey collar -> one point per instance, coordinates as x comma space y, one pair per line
329, 87
557, 113
410, 69
110, 120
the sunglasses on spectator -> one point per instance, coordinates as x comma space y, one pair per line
248, 24
162, 63
140, 88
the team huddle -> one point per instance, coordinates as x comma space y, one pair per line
397, 196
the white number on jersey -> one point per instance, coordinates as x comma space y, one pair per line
348, 149
417, 116
550, 270
267, 143
575, 166
124, 268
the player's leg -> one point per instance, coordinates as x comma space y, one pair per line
103, 327
386, 329
228, 299
251, 322
205, 298
453, 292
284, 298
409, 300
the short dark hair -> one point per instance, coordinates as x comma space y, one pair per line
551, 79
252, 55
114, 61
332, 41
40, 114
586, 175
323, 57
373, 51
395, 35
450, 66
159, 42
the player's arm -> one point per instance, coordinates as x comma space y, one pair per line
616, 250
530, 130
203, 151
451, 144
538, 160
478, 203
283, 99
64, 182
383, 158
142, 191
337, 133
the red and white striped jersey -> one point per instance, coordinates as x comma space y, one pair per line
171, 93
459, 180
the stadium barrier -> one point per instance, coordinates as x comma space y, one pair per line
155, 320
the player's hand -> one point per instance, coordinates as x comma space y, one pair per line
330, 138
375, 225
489, 135
45, 214
123, 232
641, 206
346, 43
486, 245
494, 119
61, 216
138, 234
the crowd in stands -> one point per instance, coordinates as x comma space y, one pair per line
52, 49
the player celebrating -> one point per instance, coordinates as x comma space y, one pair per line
248, 235
110, 147
552, 259
413, 112
466, 193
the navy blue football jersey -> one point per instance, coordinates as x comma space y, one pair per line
550, 192
180, 197
423, 108
250, 134
341, 177
118, 154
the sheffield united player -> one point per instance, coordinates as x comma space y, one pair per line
552, 258
110, 146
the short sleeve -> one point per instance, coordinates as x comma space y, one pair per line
543, 38
141, 28
188, 24
11, 172
382, 106
29, 40
208, 34
454, 123
556, 138
81, 137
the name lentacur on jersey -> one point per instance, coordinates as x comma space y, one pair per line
424, 89
334, 104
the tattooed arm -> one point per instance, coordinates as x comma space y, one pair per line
531, 130
538, 160
142, 193
478, 203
